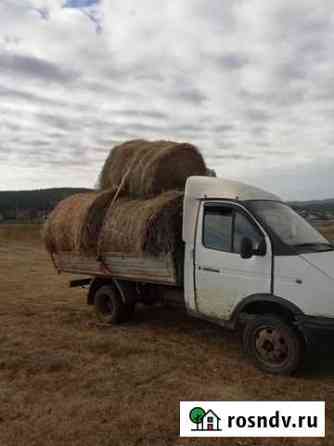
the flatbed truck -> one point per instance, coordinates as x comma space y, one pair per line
249, 262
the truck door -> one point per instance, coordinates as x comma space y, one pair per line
222, 277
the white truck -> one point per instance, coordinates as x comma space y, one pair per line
249, 261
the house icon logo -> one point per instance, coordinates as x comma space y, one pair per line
204, 420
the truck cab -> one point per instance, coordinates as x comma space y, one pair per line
251, 260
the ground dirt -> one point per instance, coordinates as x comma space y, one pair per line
66, 380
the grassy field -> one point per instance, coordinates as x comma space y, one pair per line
65, 379
21, 232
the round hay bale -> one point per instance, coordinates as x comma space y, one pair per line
139, 227
144, 169
117, 162
75, 223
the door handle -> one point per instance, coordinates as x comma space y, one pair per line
207, 268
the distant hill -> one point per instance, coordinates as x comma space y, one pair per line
315, 205
315, 209
33, 203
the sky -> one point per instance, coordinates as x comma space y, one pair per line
249, 82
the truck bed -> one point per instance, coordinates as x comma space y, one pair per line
160, 270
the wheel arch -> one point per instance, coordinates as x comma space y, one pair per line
122, 287
266, 303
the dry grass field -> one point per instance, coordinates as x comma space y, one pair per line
66, 380
328, 230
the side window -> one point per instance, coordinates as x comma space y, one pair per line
244, 228
217, 231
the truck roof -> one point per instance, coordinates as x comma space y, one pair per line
209, 187
199, 187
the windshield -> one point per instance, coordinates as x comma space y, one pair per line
290, 227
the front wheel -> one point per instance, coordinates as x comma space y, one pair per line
274, 345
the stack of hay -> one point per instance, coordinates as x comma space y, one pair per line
138, 209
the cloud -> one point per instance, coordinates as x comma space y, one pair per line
43, 12
301, 180
88, 8
138, 114
258, 115
59, 122
232, 61
234, 156
189, 94
249, 82
13, 94
80, 3
26, 66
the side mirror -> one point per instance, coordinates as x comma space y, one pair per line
246, 248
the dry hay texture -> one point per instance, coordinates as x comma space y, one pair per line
75, 223
151, 226
144, 169
152, 176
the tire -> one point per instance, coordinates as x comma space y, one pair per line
109, 307
149, 295
128, 312
273, 344
129, 291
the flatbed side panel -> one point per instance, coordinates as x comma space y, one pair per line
159, 270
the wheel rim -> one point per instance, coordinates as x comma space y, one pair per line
272, 346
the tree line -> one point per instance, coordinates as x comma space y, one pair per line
14, 204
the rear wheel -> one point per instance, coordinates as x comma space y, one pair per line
274, 345
109, 307
128, 311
